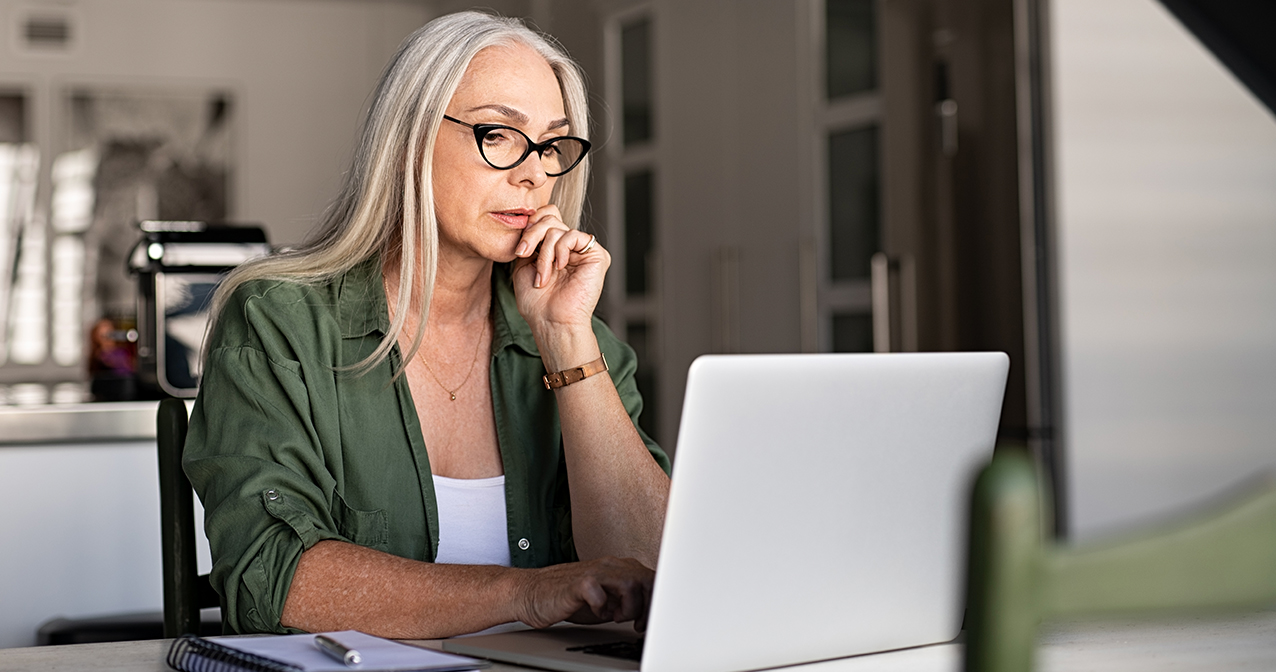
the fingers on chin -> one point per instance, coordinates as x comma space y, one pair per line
548, 219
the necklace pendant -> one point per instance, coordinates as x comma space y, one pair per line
453, 395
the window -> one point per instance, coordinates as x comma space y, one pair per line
850, 48
639, 213
119, 155
853, 196
635, 80
23, 298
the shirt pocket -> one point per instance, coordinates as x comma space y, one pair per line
365, 528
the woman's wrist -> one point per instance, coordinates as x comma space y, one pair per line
523, 599
565, 348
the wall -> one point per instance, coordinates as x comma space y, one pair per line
1167, 231
300, 72
733, 123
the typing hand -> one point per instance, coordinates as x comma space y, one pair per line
595, 591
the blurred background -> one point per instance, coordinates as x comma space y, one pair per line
1088, 185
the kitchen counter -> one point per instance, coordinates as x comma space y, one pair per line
75, 423
79, 484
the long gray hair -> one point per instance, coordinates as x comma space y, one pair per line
386, 205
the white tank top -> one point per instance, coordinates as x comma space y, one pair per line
472, 524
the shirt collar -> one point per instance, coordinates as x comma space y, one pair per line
362, 308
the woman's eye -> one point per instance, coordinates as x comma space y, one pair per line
497, 138
552, 151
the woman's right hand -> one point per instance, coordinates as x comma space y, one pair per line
594, 591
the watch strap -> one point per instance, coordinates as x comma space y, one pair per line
566, 377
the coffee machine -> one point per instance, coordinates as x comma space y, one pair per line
178, 266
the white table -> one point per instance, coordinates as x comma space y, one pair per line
1204, 644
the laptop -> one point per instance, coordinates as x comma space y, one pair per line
817, 511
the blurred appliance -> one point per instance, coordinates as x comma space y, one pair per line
178, 267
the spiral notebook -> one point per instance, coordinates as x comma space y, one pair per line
298, 653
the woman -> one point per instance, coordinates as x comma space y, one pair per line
374, 443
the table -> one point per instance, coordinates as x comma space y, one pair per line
1183, 644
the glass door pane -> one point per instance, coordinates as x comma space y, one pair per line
853, 202
851, 47
635, 64
639, 229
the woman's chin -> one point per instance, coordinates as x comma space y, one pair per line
504, 255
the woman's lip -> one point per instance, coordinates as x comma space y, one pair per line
514, 219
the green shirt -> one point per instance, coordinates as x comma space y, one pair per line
287, 449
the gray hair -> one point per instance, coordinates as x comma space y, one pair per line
386, 205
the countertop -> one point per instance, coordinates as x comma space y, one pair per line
78, 423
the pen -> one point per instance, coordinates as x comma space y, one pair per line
338, 650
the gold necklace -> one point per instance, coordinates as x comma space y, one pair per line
470, 372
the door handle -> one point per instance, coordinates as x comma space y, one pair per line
881, 300
894, 301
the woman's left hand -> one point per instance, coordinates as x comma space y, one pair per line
558, 275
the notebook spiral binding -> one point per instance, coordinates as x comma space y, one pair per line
194, 654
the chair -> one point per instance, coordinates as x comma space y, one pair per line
185, 590
1224, 557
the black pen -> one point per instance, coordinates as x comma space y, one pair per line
338, 650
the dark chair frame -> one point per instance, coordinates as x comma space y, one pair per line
185, 590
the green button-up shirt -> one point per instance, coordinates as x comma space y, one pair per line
287, 447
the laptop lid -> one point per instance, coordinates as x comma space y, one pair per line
818, 506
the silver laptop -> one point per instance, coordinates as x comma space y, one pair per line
817, 511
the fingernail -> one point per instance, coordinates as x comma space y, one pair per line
537, 282
522, 249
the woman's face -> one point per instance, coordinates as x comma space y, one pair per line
482, 211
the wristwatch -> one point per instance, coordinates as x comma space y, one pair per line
554, 381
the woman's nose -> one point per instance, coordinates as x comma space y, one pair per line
531, 172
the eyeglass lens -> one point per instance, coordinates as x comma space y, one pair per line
505, 147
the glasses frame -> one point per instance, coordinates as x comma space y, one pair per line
481, 130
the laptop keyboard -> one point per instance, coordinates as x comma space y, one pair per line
624, 650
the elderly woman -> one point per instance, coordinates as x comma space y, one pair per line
413, 426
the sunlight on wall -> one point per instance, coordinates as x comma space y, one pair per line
1167, 231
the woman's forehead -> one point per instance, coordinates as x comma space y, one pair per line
510, 79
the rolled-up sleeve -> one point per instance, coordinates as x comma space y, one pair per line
253, 455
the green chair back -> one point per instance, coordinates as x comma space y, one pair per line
1224, 557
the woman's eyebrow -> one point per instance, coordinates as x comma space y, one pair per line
505, 111
516, 116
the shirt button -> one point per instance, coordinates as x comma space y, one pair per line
524, 544
272, 495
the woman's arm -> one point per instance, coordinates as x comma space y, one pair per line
338, 586
618, 491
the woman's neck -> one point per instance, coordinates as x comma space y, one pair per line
462, 291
